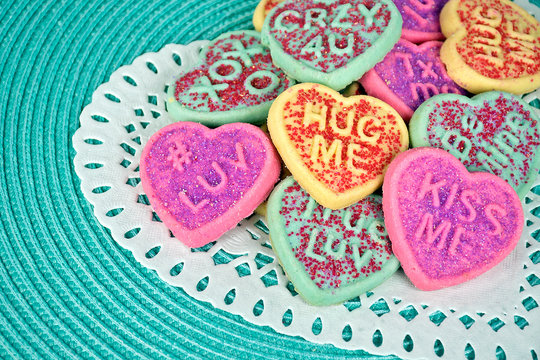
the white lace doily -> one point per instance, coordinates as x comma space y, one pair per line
492, 315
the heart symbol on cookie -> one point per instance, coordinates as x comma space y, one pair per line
202, 182
331, 42
491, 45
421, 19
329, 255
337, 148
495, 132
447, 225
234, 81
409, 75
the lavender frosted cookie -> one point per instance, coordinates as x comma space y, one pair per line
409, 75
202, 182
421, 19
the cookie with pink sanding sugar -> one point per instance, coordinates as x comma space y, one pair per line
421, 19
409, 75
329, 255
234, 81
202, 182
331, 42
447, 225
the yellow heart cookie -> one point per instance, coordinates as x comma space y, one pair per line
491, 45
337, 148
262, 10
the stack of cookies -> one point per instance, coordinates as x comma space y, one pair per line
342, 87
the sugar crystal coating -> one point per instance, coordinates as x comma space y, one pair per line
234, 81
409, 75
447, 225
202, 182
421, 19
337, 148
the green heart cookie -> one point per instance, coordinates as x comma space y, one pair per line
329, 255
495, 132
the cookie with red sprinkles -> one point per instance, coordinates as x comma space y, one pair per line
330, 256
495, 132
235, 81
331, 42
491, 45
337, 148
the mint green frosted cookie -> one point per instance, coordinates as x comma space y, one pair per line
235, 81
331, 42
329, 255
495, 132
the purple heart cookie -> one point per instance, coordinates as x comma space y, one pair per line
421, 19
447, 225
202, 182
409, 75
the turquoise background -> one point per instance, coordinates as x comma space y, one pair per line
67, 289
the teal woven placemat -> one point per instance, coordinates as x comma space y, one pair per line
67, 289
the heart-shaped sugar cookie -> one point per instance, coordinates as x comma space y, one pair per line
329, 255
491, 45
409, 75
337, 148
235, 81
495, 132
447, 225
331, 42
202, 182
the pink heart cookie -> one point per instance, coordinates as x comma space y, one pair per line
409, 75
202, 182
447, 225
